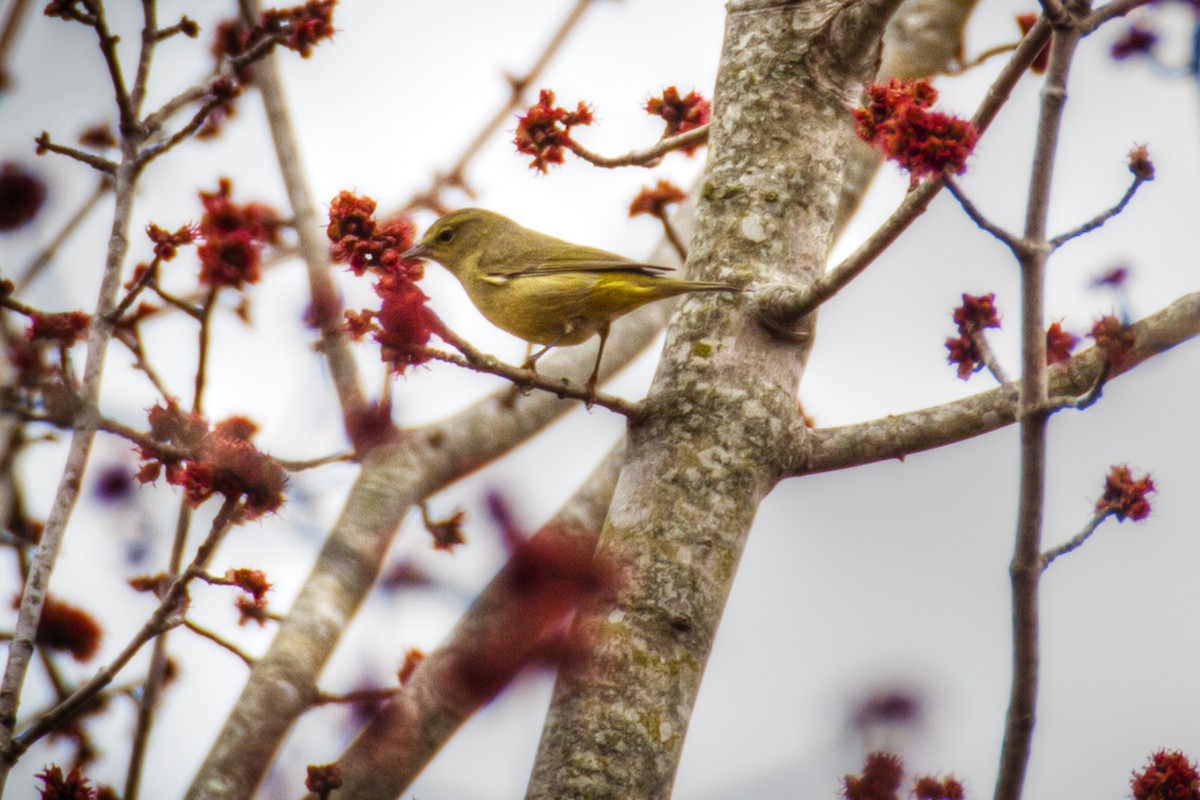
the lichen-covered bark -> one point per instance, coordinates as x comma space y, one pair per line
716, 432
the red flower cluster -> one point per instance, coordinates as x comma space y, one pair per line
403, 323
167, 244
1168, 776
1137, 40
1125, 497
72, 787
296, 28
1140, 164
364, 244
1059, 344
880, 779
1115, 338
253, 605
220, 461
545, 130
322, 779
682, 114
64, 627
233, 235
299, 27
929, 788
655, 201
547, 576
975, 314
897, 122
67, 327
21, 196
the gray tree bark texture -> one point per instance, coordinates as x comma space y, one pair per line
721, 421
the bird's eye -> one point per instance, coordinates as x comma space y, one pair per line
445, 236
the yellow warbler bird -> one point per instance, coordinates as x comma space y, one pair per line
541, 289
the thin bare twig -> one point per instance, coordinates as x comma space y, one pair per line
478, 361
979, 339
1110, 11
312, 463
210, 303
986, 55
972, 211
47, 253
98, 163
454, 176
649, 157
247, 659
673, 237
168, 615
1075, 541
313, 247
1099, 219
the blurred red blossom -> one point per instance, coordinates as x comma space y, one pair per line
221, 461
56, 787
66, 328
233, 235
64, 627
21, 196
1136, 40
880, 779
1059, 344
1115, 338
655, 201
930, 788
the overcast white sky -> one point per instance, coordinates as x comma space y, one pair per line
893, 575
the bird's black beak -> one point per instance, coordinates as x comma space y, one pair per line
416, 251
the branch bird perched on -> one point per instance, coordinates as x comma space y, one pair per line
541, 289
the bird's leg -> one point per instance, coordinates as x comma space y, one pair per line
591, 384
523, 388
530, 362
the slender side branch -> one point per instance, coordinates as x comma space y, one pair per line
1075, 541
642, 158
98, 163
168, 615
980, 340
1110, 11
313, 247
481, 362
1099, 219
220, 641
899, 435
977, 216
431, 197
47, 253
